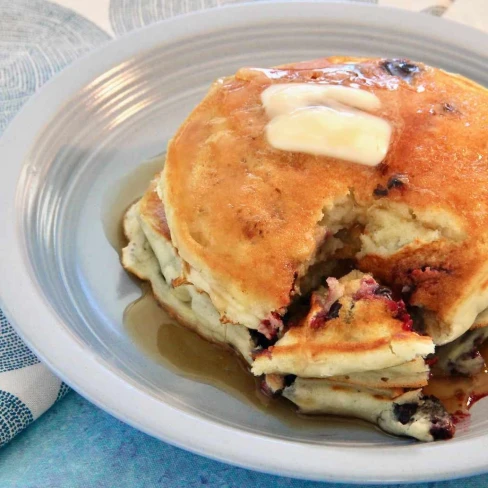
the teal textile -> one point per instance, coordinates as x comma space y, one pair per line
77, 445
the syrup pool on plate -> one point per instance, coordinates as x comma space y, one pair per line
187, 354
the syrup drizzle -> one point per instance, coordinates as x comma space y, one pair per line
460, 393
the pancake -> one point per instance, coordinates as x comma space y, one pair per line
353, 326
250, 221
481, 320
399, 412
412, 374
148, 221
191, 309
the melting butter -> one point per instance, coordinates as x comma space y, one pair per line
326, 120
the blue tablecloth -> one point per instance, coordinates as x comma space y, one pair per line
75, 444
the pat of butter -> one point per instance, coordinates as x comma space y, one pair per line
326, 120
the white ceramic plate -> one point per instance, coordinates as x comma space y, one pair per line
62, 285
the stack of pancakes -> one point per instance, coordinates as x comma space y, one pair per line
333, 280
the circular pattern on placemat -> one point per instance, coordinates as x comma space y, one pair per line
48, 38
127, 15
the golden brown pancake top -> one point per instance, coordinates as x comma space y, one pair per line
245, 214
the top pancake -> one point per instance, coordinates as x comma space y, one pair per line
249, 219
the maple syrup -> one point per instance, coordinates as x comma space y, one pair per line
459, 393
187, 354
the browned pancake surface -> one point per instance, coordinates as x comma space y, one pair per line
246, 214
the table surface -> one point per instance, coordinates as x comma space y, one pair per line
75, 444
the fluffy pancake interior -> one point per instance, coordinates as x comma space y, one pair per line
462, 356
148, 217
362, 335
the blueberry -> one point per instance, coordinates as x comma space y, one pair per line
405, 412
380, 191
334, 311
401, 68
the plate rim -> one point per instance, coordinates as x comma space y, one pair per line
189, 431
